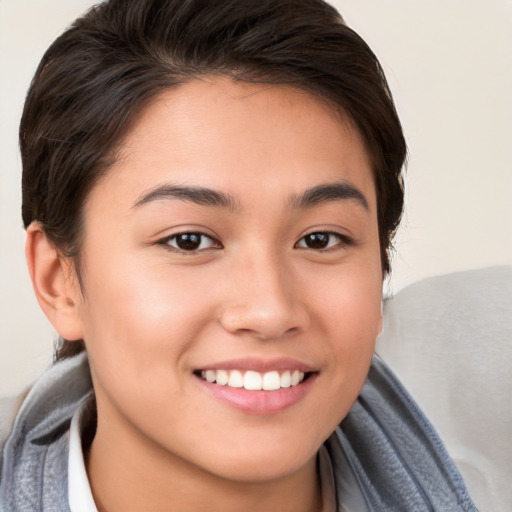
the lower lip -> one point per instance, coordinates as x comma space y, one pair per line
260, 402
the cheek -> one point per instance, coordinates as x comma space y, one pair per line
349, 303
349, 310
139, 326
138, 316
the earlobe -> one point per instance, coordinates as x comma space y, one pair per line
54, 283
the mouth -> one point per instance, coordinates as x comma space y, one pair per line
252, 380
258, 387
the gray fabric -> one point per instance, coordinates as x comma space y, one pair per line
35, 456
395, 455
9, 407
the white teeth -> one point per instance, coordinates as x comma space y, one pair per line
295, 378
271, 381
236, 379
286, 380
210, 375
222, 377
254, 381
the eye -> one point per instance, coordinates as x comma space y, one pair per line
321, 240
191, 242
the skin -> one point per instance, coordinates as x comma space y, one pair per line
153, 314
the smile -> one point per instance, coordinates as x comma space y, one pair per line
252, 380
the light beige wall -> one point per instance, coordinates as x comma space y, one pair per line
449, 63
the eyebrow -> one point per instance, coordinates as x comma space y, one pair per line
203, 196
329, 192
198, 195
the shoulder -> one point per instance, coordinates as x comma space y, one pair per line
49, 402
34, 455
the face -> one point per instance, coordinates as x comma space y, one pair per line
235, 240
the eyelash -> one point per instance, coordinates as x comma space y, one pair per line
202, 236
343, 240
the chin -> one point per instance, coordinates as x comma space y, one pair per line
264, 459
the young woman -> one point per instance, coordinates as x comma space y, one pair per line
210, 191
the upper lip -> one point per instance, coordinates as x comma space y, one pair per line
260, 365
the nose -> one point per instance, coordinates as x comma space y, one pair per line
264, 300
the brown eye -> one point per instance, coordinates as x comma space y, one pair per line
191, 242
317, 240
321, 240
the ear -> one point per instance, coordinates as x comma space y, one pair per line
55, 283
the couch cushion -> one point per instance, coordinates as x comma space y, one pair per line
449, 340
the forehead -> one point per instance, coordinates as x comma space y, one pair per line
237, 137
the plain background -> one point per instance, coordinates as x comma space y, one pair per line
449, 64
